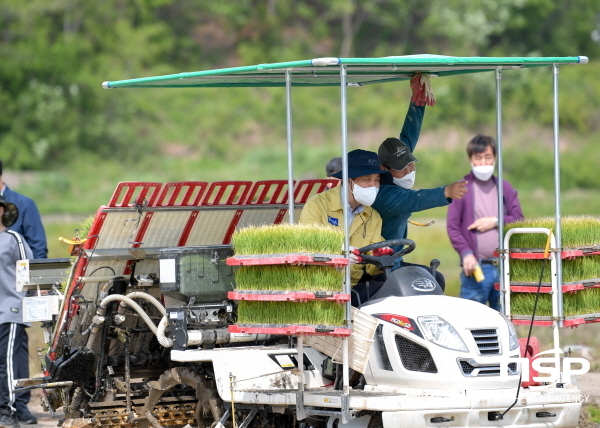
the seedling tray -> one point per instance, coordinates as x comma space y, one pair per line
290, 329
333, 260
546, 287
538, 253
280, 296
571, 321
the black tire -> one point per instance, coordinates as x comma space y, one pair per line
376, 421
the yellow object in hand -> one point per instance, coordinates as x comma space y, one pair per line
478, 274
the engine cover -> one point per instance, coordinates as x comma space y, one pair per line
198, 272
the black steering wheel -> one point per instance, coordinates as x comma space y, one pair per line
383, 262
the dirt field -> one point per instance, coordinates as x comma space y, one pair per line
590, 385
44, 419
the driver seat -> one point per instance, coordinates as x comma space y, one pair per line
408, 281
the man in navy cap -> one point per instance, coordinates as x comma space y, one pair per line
364, 176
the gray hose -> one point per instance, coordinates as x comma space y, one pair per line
149, 298
131, 303
160, 333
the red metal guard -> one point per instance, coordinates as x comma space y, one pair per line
136, 192
172, 194
227, 193
268, 192
306, 188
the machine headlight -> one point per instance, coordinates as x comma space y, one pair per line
513, 339
438, 331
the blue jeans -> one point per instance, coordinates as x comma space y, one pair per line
482, 292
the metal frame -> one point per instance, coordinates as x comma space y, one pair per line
346, 415
323, 71
360, 71
557, 299
558, 231
501, 268
555, 276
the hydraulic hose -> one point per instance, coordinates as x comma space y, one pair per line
149, 298
160, 333
131, 303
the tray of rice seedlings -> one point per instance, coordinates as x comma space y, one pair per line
580, 236
288, 244
578, 307
290, 330
577, 273
312, 317
281, 296
297, 283
580, 264
269, 286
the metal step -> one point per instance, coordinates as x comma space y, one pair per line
345, 414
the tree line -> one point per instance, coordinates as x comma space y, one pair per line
56, 53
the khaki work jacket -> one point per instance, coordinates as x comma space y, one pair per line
326, 208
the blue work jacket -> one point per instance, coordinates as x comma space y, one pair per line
29, 223
396, 204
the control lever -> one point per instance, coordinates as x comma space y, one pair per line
435, 263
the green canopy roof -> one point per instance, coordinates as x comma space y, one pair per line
326, 71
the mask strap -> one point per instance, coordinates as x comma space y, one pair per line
353, 197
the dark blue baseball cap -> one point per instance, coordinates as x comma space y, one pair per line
361, 162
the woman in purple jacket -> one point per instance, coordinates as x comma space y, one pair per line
472, 222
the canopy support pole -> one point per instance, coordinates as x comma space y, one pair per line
288, 105
500, 187
557, 232
345, 206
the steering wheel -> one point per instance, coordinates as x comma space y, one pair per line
383, 262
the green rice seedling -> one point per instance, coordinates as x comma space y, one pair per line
574, 303
63, 283
582, 302
528, 270
288, 238
576, 231
314, 312
522, 304
85, 227
285, 277
576, 269
591, 301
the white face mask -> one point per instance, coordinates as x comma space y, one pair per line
483, 172
364, 195
406, 182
